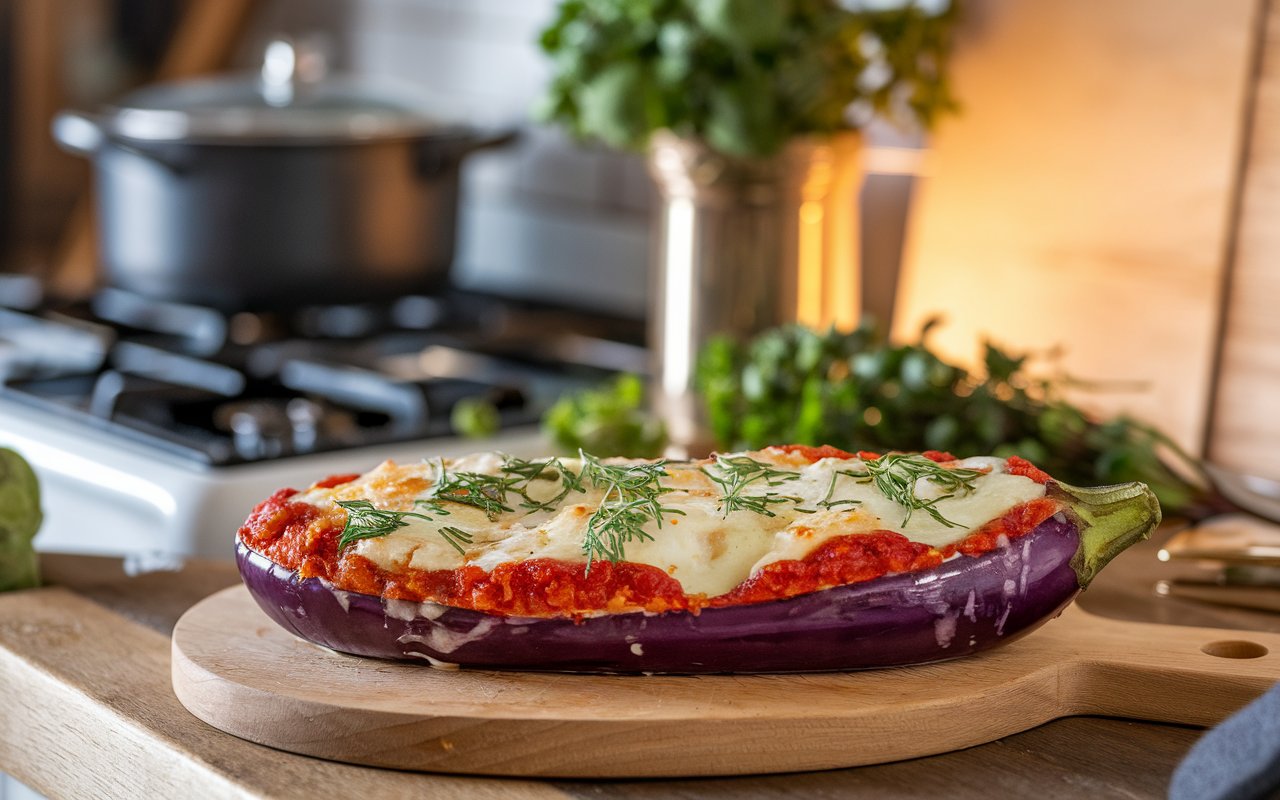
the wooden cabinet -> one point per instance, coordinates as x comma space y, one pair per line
1112, 187
1244, 426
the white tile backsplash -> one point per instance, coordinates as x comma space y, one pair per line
556, 252
553, 167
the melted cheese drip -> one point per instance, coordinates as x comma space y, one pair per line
707, 552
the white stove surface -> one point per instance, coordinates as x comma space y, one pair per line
104, 495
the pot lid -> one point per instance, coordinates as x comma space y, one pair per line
290, 101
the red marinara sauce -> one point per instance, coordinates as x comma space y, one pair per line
303, 537
815, 454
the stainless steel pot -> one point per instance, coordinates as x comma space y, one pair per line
278, 190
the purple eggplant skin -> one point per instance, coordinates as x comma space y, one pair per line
964, 606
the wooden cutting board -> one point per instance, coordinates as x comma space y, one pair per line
237, 670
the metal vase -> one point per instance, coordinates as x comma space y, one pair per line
742, 245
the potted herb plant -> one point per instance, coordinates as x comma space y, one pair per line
749, 111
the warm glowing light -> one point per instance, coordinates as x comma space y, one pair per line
844, 293
809, 266
677, 333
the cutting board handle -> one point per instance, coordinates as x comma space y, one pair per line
1166, 673
228, 658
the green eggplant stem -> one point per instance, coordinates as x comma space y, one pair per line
1110, 519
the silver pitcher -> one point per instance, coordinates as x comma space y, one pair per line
742, 245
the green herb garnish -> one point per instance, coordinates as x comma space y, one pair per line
739, 472
631, 500
476, 489
365, 521
456, 537
827, 502
896, 476
527, 471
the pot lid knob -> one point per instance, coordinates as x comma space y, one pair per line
288, 65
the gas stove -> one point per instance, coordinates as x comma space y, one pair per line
155, 427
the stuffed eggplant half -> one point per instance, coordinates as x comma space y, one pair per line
785, 559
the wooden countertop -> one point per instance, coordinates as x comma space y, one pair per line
86, 710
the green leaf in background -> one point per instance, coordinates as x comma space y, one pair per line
743, 121
858, 391
610, 420
745, 76
743, 24
615, 104
475, 418
20, 518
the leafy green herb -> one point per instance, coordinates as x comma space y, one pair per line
827, 500
456, 537
743, 75
898, 475
856, 390
365, 521
607, 419
739, 472
549, 469
632, 499
477, 489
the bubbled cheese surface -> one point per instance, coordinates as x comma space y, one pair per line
705, 550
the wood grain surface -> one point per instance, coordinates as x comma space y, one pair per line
1083, 197
47, 690
240, 672
1245, 429
86, 709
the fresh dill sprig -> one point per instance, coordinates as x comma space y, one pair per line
527, 471
897, 474
632, 499
739, 472
477, 489
365, 521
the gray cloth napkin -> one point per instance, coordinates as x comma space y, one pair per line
1238, 760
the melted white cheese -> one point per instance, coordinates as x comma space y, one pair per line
705, 550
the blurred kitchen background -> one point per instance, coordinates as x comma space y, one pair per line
1106, 197
536, 217
1103, 193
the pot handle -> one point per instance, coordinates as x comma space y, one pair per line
78, 132
84, 134
435, 155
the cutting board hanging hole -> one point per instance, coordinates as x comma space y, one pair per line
1235, 648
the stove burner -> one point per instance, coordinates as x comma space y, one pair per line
32, 347
251, 387
203, 329
272, 428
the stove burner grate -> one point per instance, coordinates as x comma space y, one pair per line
226, 390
